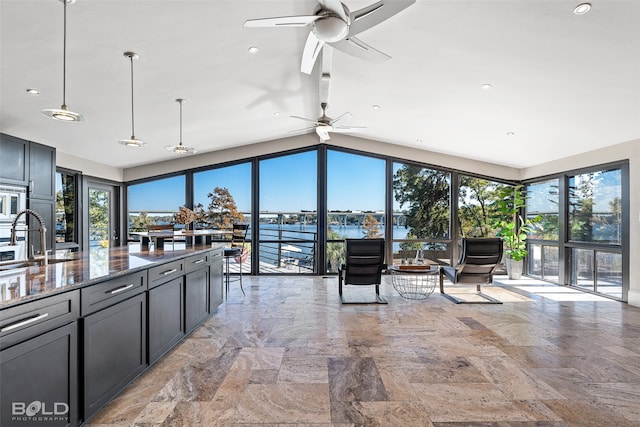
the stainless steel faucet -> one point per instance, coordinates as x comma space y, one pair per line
43, 235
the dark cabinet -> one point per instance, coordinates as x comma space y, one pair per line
14, 160
32, 165
40, 380
42, 191
196, 300
39, 362
114, 351
46, 209
42, 170
166, 320
196, 290
216, 283
67, 355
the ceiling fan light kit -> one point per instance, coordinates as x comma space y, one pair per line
333, 23
325, 124
133, 141
63, 114
180, 149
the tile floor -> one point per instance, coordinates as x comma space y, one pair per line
289, 354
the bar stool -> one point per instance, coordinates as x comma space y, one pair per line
236, 250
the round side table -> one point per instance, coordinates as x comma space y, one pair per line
414, 281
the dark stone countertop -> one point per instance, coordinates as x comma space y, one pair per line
80, 269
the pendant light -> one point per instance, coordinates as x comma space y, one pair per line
133, 141
180, 149
63, 114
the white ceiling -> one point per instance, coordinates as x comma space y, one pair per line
562, 83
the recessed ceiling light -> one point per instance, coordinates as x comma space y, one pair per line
418, 140
253, 49
582, 8
33, 91
277, 113
485, 86
510, 133
375, 106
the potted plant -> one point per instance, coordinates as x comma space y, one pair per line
513, 228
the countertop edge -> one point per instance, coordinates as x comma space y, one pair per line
42, 270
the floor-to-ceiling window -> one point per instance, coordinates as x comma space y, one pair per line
543, 242
421, 213
596, 231
310, 200
155, 202
288, 218
222, 197
67, 202
355, 202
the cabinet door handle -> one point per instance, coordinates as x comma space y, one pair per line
24, 322
165, 273
200, 261
121, 289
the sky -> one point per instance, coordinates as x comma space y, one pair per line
287, 184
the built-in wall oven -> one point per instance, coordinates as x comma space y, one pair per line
12, 201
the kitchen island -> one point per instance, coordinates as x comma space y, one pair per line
76, 332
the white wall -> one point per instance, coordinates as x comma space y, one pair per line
88, 167
344, 141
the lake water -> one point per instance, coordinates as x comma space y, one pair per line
299, 232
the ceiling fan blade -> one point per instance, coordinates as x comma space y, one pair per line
323, 134
305, 119
372, 15
312, 48
340, 117
348, 128
334, 6
283, 21
356, 47
302, 130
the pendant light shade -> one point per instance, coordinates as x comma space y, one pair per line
180, 149
63, 114
133, 141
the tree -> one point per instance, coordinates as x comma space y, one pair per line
335, 251
65, 204
371, 227
411, 246
476, 199
141, 221
99, 216
426, 192
223, 212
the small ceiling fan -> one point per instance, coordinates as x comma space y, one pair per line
324, 124
333, 23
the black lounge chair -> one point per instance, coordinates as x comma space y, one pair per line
478, 261
364, 265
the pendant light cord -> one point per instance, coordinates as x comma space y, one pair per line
133, 133
64, 58
180, 122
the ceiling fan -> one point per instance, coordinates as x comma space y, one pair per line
324, 124
333, 23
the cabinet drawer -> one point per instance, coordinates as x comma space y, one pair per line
165, 272
216, 255
28, 320
196, 262
107, 293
